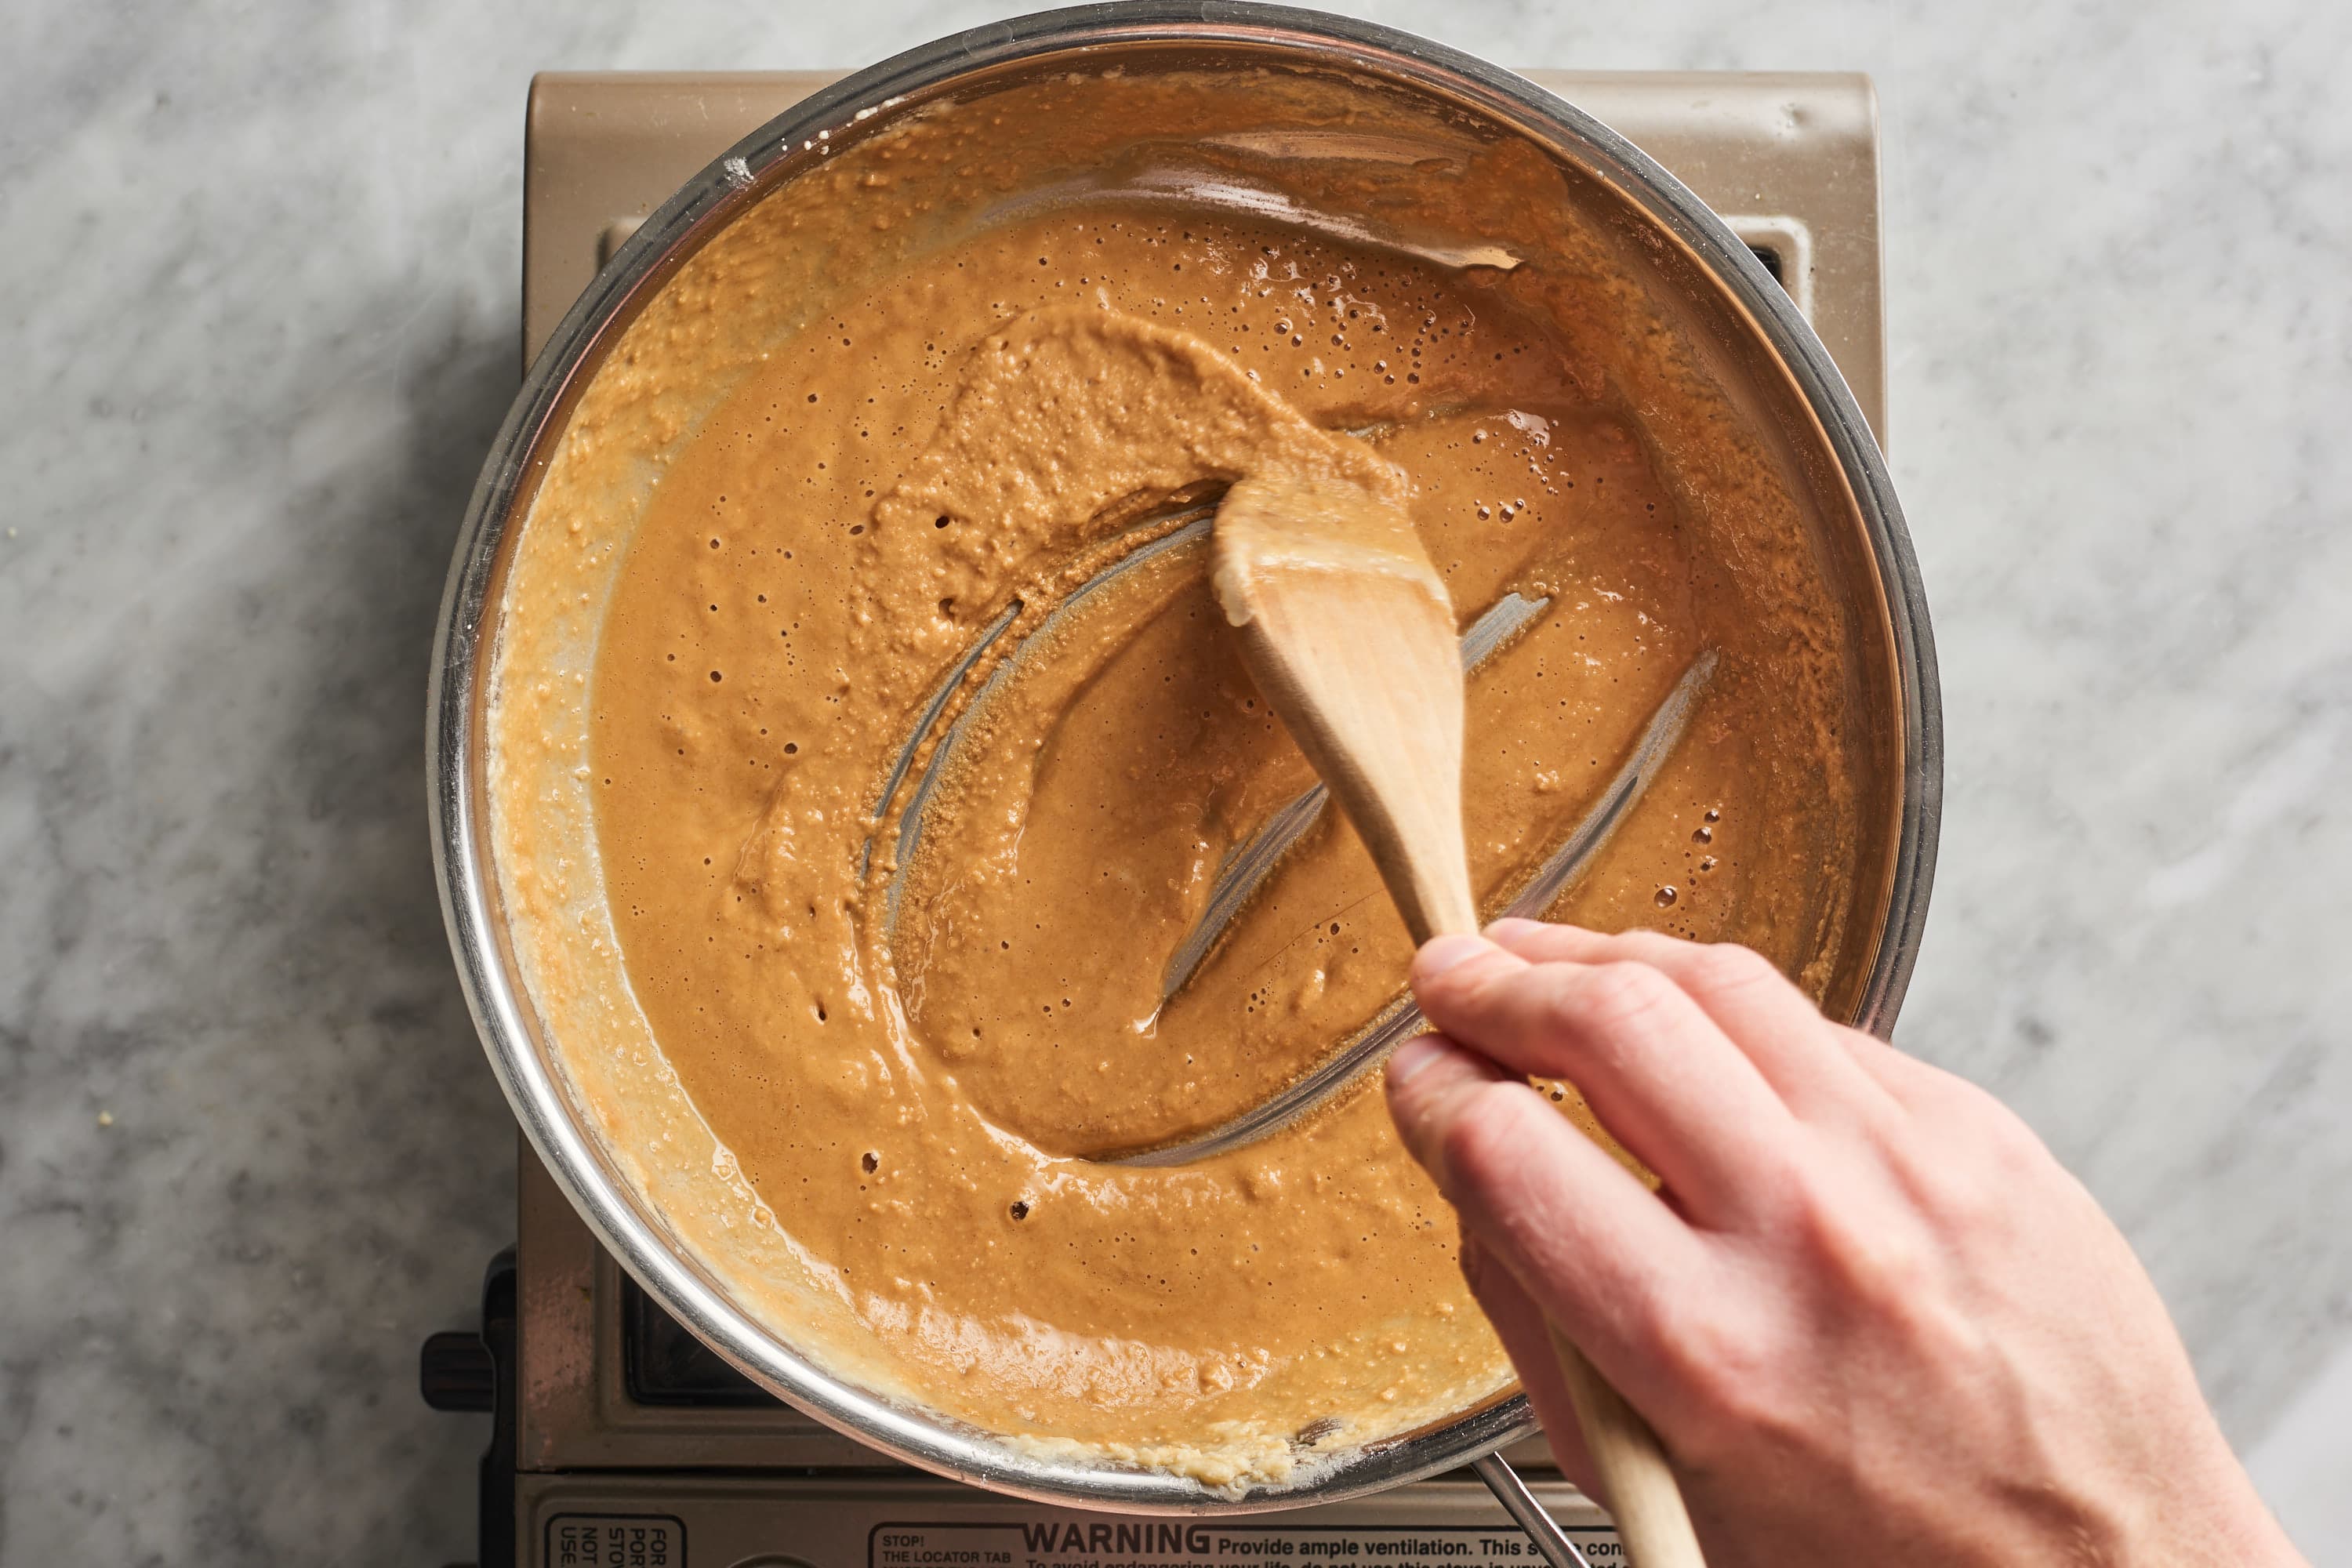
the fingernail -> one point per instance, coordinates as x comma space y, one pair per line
1414, 1054
1441, 953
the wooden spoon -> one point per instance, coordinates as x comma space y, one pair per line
1350, 634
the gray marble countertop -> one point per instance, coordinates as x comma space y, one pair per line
259, 283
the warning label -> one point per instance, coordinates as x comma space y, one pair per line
1185, 1543
615, 1540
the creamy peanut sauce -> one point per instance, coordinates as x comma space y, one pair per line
907, 1036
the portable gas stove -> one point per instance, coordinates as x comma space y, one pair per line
618, 1439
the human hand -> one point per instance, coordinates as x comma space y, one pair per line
1871, 1319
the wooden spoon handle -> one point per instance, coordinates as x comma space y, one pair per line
1644, 1497
1348, 632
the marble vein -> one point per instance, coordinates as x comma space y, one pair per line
258, 272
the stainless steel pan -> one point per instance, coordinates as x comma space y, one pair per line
1807, 384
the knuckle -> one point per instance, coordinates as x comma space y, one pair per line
1980, 1171
1954, 1206
1891, 1273
1727, 966
1646, 946
1430, 1106
1974, 1131
1878, 1262
1723, 1360
1612, 997
1483, 1147
1963, 1199
1707, 1348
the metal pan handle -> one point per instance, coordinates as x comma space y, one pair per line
1552, 1541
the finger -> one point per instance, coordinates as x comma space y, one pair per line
1658, 1072
1596, 1250
1527, 1339
1739, 988
1801, 1054
1734, 984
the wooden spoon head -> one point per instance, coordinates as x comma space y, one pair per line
1350, 634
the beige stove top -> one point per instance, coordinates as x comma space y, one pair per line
1791, 163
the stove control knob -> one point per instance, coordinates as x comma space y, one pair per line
457, 1373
